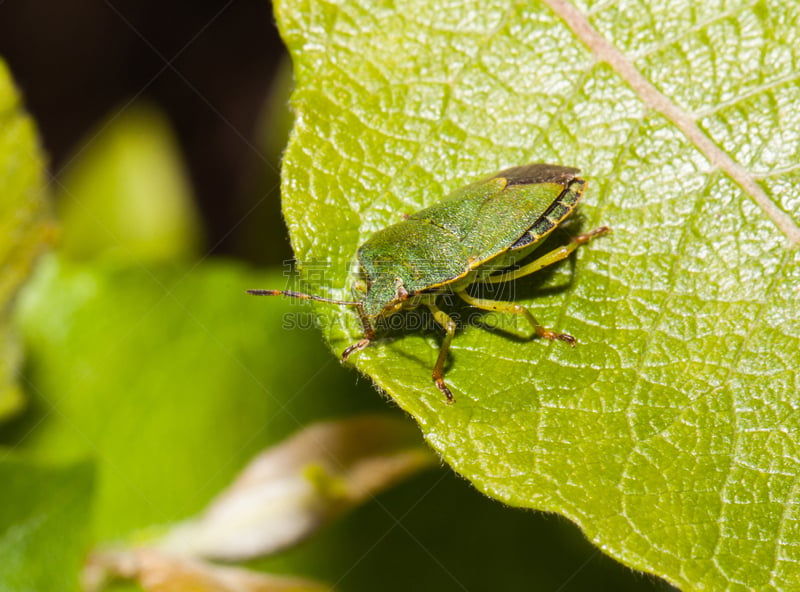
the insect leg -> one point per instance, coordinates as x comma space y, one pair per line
553, 256
449, 326
518, 309
369, 333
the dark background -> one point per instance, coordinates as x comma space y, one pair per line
208, 64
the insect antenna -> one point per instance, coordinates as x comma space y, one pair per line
369, 331
301, 296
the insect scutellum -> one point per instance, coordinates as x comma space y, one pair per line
475, 235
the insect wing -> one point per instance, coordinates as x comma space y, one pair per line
490, 216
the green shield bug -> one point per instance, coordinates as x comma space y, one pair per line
476, 235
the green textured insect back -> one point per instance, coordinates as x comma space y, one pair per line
473, 236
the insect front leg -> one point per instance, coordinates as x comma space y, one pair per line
449, 326
554, 256
518, 309
369, 333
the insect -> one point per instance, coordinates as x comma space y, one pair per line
473, 236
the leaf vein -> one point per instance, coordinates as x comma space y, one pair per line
685, 122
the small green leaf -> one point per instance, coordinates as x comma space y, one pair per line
670, 433
44, 524
24, 225
126, 194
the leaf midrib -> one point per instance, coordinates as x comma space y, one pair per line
606, 52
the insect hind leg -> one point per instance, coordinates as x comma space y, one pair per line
517, 309
554, 256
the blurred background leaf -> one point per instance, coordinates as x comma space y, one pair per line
24, 224
44, 523
126, 194
670, 433
289, 491
169, 379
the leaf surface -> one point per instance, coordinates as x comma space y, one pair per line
670, 433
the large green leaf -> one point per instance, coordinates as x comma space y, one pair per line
23, 223
44, 518
670, 433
